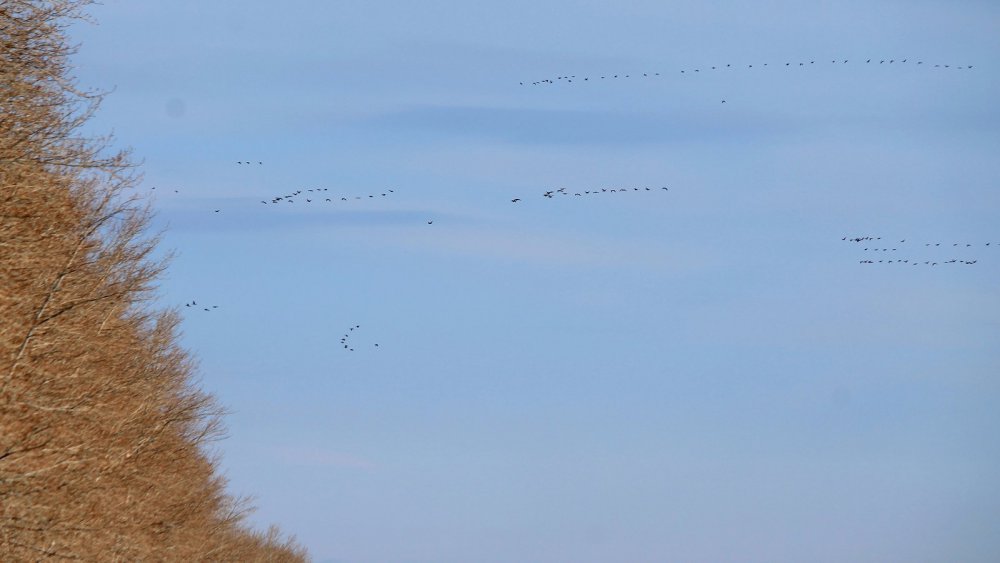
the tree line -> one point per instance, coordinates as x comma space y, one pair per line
103, 435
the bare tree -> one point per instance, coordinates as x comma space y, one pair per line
102, 432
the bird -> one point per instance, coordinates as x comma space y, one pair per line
430, 222
515, 200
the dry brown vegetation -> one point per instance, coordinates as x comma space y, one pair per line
102, 433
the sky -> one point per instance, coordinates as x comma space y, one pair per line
709, 372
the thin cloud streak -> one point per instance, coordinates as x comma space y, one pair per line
320, 457
547, 248
529, 126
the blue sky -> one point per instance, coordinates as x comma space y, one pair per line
706, 373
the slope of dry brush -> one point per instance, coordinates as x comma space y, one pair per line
102, 434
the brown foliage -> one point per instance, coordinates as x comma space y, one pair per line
102, 434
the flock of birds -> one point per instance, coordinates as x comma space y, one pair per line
551, 194
290, 198
347, 336
874, 245
319, 195
572, 77
195, 305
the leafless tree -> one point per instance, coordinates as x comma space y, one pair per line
102, 433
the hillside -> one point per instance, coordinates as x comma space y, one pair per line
102, 434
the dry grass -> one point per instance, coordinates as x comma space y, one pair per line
102, 434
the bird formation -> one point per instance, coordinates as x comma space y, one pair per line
195, 305
347, 336
917, 262
259, 163
729, 66
316, 195
551, 194
875, 246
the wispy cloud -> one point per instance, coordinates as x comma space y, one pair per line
535, 126
319, 457
244, 214
545, 247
